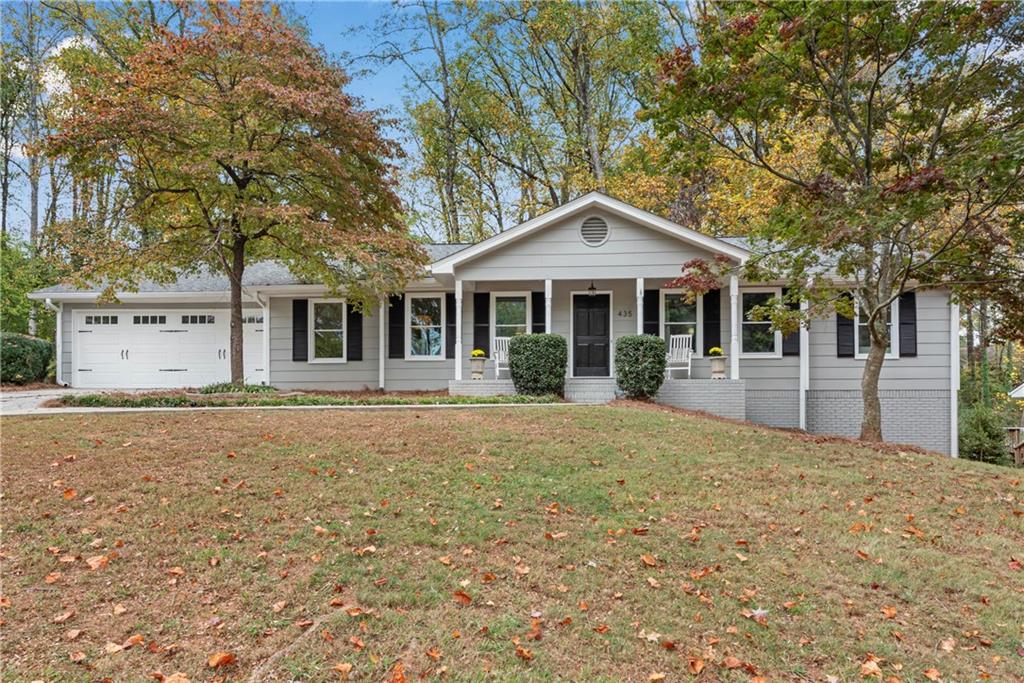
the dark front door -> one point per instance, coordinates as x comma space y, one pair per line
591, 335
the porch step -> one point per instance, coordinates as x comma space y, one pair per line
590, 390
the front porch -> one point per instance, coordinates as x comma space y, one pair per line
722, 397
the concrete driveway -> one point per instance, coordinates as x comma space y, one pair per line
30, 402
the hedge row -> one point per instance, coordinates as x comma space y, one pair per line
23, 359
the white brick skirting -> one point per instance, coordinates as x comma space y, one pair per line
918, 417
591, 390
481, 387
774, 407
722, 397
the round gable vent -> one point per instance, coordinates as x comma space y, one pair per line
594, 231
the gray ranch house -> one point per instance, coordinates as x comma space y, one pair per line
592, 270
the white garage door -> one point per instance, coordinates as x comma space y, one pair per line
157, 348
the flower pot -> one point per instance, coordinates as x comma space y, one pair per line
718, 367
476, 367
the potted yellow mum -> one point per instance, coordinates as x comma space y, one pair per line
477, 359
717, 356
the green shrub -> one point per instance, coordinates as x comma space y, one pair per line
537, 363
983, 435
229, 388
23, 359
640, 364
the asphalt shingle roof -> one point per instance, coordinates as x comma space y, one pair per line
261, 274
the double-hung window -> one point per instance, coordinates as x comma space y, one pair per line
757, 337
425, 318
864, 333
511, 314
327, 330
678, 316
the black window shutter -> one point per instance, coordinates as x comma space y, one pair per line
652, 311
791, 341
300, 330
353, 334
908, 324
846, 336
449, 325
537, 304
482, 321
712, 320
396, 326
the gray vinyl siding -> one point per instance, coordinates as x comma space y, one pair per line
67, 322
557, 252
929, 370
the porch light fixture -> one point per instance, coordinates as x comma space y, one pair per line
592, 290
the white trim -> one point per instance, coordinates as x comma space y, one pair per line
382, 354
458, 330
611, 332
311, 329
547, 306
507, 295
894, 332
409, 296
734, 327
954, 380
585, 203
698, 340
58, 310
265, 305
640, 305
777, 353
805, 364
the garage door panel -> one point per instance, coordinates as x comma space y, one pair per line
159, 349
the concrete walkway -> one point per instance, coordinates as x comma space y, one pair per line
31, 401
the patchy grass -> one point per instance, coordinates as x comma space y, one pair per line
610, 543
180, 399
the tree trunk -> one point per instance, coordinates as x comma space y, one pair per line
983, 348
871, 422
237, 269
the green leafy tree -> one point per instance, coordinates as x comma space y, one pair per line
235, 141
914, 178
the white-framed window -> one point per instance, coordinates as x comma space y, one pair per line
101, 320
863, 335
510, 314
149, 320
680, 317
326, 330
424, 324
757, 338
198, 319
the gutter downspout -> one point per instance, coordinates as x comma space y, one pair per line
265, 305
57, 350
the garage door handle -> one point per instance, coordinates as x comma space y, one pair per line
126, 354
122, 354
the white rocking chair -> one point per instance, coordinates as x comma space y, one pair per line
680, 353
500, 352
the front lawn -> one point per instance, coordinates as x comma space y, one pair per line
558, 543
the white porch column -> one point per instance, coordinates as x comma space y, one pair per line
639, 305
734, 327
458, 330
382, 346
547, 306
805, 365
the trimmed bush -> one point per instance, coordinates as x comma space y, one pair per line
537, 363
23, 359
983, 435
229, 388
640, 364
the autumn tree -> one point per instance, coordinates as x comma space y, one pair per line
915, 179
236, 142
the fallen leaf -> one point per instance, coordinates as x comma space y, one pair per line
69, 494
649, 560
731, 662
869, 667
932, 675
219, 659
119, 609
889, 612
61, 618
696, 665
656, 677
523, 653
278, 606
948, 645
52, 577
77, 657
112, 648
132, 641
343, 669
462, 598
97, 562
398, 673
73, 634
601, 628
434, 653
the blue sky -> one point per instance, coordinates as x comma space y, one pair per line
331, 24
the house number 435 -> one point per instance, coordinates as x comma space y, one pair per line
624, 313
